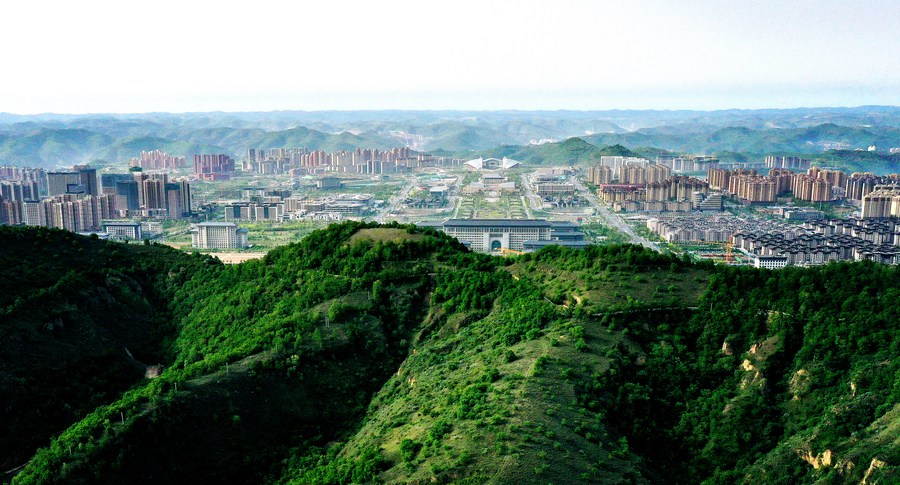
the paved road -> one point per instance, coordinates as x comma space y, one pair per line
611, 219
396, 200
534, 201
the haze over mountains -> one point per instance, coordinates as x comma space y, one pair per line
51, 140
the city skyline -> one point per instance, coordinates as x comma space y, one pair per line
110, 57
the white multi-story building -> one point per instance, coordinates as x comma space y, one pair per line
486, 235
770, 262
123, 230
218, 235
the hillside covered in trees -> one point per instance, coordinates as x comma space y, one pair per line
391, 354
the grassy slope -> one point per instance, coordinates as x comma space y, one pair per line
470, 406
525, 426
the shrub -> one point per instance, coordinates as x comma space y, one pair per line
581, 345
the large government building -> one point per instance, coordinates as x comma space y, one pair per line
489, 235
218, 235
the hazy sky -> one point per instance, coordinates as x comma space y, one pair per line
120, 56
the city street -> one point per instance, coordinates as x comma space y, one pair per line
611, 218
396, 200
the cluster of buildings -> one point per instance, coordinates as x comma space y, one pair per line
79, 201
73, 200
689, 163
518, 235
882, 202
859, 184
279, 206
158, 160
627, 171
12, 173
716, 228
677, 193
816, 185
631, 184
19, 190
213, 167
819, 242
618, 167
81, 180
301, 161
76, 213
155, 195
774, 244
636, 184
22, 183
490, 182
795, 163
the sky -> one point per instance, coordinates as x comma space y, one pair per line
96, 56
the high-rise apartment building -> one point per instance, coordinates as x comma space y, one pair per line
213, 167
787, 162
883, 202
19, 191
73, 212
158, 160
600, 175
60, 183
87, 178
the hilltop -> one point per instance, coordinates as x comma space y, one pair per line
573, 151
369, 353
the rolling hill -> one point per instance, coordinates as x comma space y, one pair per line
62, 140
50, 147
573, 151
807, 140
129, 148
390, 354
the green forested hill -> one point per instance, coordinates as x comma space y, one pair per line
50, 147
71, 311
390, 354
128, 148
573, 151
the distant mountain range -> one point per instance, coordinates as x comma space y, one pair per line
61, 140
813, 139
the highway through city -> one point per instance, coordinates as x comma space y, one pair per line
612, 219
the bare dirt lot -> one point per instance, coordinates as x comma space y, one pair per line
235, 258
